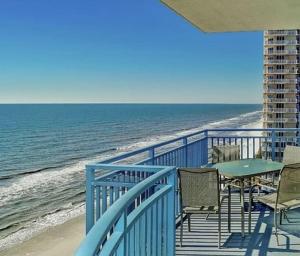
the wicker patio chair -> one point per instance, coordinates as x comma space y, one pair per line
291, 155
287, 195
199, 191
225, 153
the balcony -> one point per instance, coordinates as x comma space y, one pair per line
280, 110
276, 100
283, 52
271, 90
280, 81
281, 71
281, 62
132, 202
281, 33
279, 120
281, 42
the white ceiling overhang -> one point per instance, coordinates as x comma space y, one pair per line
238, 15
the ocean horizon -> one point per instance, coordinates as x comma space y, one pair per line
45, 147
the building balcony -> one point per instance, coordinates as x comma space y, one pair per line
134, 209
279, 120
277, 100
281, 71
281, 42
280, 110
287, 62
280, 81
281, 33
283, 52
271, 90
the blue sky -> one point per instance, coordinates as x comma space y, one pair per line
121, 51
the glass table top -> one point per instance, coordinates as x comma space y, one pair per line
247, 167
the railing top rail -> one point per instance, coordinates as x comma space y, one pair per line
145, 149
158, 145
92, 241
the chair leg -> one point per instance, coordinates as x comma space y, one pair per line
229, 209
219, 229
275, 224
189, 222
181, 228
249, 210
280, 217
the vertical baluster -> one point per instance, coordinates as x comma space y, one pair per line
253, 144
273, 144
154, 229
90, 210
247, 148
121, 227
266, 148
104, 199
242, 148
98, 205
159, 228
111, 196
149, 230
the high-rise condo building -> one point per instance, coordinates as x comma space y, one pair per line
281, 86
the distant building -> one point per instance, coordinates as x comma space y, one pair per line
281, 86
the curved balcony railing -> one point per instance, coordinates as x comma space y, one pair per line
278, 100
129, 204
281, 71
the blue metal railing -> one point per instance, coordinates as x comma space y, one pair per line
142, 223
108, 219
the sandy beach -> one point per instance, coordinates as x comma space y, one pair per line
62, 239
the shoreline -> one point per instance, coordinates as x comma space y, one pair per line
61, 239
66, 236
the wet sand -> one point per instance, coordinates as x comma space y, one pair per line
63, 240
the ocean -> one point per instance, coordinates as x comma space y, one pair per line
44, 148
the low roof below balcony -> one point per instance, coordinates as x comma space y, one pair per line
238, 15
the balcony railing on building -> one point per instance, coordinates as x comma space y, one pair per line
281, 71
281, 42
273, 90
281, 33
280, 81
281, 62
279, 120
280, 110
281, 52
278, 100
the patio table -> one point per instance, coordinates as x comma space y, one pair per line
246, 168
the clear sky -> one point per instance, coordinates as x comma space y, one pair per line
121, 51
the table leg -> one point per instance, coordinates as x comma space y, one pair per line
242, 209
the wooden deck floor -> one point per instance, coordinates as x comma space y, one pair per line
203, 238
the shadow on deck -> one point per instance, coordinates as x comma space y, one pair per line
203, 238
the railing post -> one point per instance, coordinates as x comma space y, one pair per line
273, 144
171, 236
90, 208
205, 148
185, 142
151, 154
121, 227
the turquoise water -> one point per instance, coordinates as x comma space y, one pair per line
43, 150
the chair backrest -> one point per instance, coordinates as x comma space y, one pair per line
291, 155
199, 187
289, 183
225, 153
